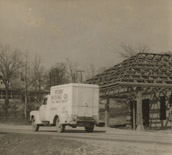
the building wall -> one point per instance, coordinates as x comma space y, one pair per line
158, 113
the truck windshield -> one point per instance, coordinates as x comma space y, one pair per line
45, 101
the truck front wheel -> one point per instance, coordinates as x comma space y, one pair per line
89, 128
59, 127
35, 126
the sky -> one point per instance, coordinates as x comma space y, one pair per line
85, 31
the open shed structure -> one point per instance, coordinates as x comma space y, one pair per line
144, 81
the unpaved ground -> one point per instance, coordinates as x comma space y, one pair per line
26, 144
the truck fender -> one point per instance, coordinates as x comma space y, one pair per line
55, 118
35, 115
63, 118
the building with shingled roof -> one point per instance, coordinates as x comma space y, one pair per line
145, 82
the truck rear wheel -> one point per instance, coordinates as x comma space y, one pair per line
59, 127
35, 127
89, 128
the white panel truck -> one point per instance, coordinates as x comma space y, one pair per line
70, 104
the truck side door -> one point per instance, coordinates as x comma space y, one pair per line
42, 110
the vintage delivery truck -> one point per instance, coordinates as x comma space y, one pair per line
70, 104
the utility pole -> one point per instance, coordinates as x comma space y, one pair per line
26, 93
80, 71
50, 78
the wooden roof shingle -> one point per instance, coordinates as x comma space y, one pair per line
143, 70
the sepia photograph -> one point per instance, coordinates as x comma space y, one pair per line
85, 77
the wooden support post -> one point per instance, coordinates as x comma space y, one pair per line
170, 117
1, 94
11, 94
107, 113
139, 112
134, 116
171, 127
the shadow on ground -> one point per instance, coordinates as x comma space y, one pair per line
73, 131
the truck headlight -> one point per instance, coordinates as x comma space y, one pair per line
74, 118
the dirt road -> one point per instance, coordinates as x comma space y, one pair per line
98, 134
102, 141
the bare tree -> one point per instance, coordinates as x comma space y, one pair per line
167, 52
34, 78
90, 72
80, 76
72, 70
26, 81
127, 51
58, 74
37, 73
10, 62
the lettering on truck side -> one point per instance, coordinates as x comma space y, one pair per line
59, 97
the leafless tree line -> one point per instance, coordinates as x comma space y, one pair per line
19, 72
126, 51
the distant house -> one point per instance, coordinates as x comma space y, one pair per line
19, 91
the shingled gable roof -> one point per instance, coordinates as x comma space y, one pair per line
141, 70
